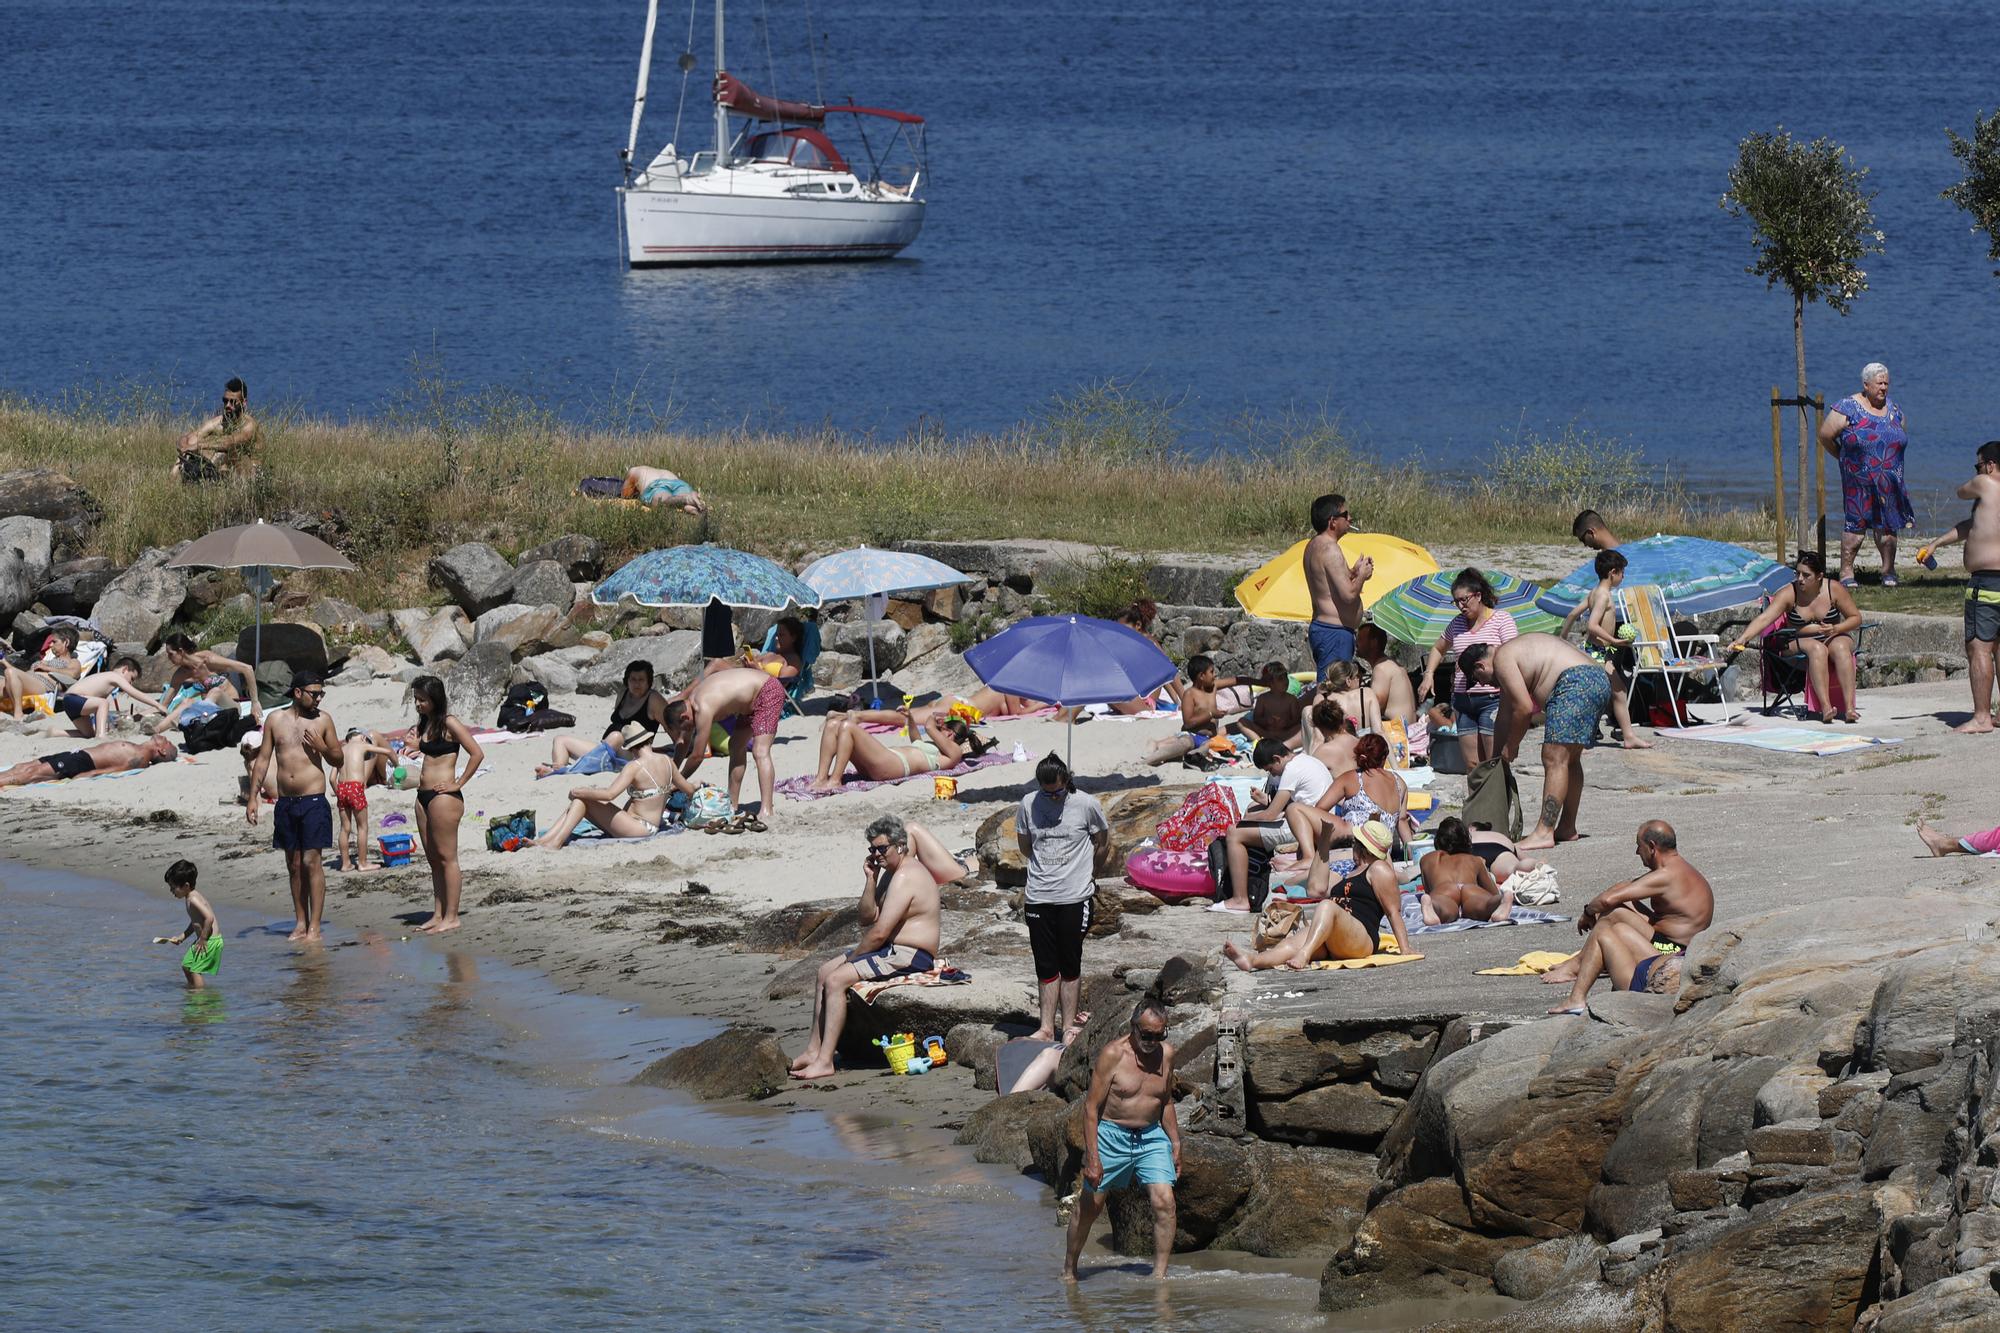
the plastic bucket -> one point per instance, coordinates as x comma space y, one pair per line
395, 848
899, 1054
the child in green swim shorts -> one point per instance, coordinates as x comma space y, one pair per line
205, 954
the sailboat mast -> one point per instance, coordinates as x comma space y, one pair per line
645, 72
721, 112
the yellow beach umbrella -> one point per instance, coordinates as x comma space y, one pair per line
1277, 590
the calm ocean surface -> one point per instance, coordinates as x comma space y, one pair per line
1441, 221
384, 1135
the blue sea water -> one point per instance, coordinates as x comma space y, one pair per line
1441, 222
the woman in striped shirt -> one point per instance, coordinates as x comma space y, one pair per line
1478, 621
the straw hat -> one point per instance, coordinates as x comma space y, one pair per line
1374, 836
634, 735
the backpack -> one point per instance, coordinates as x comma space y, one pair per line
221, 731
510, 833
1493, 798
526, 708
708, 805
1259, 879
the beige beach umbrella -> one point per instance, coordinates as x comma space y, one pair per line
255, 548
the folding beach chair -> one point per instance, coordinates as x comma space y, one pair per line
1658, 650
1782, 680
802, 684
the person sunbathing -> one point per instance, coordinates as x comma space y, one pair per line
1637, 926
53, 672
640, 704
1333, 740
1368, 791
785, 660
204, 677
655, 486
1972, 844
1458, 882
110, 757
922, 749
985, 701
1201, 712
645, 783
1348, 924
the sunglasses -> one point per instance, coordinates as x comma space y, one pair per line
1145, 1038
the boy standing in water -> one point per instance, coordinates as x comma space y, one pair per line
205, 955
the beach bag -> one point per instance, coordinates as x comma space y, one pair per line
526, 709
510, 833
1493, 798
1279, 918
601, 488
1398, 736
1535, 888
1259, 879
1206, 814
217, 732
708, 805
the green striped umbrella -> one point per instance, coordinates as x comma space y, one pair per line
1418, 611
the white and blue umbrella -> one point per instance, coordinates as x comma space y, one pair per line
1694, 574
697, 575
864, 574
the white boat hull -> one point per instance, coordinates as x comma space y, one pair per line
685, 227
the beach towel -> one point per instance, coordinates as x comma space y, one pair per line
589, 832
1413, 919
942, 974
1785, 740
800, 788
1207, 813
1372, 960
1531, 965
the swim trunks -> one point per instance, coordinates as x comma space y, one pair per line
1982, 609
1330, 644
1124, 1153
664, 487
74, 704
353, 797
69, 764
301, 824
769, 708
1581, 696
204, 958
1654, 979
891, 961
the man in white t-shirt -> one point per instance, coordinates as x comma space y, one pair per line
1062, 831
1294, 776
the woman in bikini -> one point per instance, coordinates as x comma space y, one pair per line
207, 678
1458, 882
986, 701
1349, 923
645, 783
1820, 619
1333, 740
785, 660
1368, 791
640, 703
440, 794
1346, 683
937, 745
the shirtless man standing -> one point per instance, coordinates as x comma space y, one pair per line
901, 919
1634, 925
300, 739
221, 446
1540, 671
1981, 535
1129, 1131
745, 692
1334, 584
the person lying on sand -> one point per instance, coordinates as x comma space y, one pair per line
657, 487
900, 918
645, 784
1348, 924
1972, 844
202, 676
985, 701
1636, 925
1457, 882
1497, 850
111, 757
919, 749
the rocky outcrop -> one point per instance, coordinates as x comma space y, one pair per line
740, 1061
46, 494
1132, 815
17, 585
139, 602
543, 583
476, 684
75, 585
473, 575
34, 539
434, 636
581, 559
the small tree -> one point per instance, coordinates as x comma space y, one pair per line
1979, 193
1812, 225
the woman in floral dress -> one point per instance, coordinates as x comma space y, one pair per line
1865, 431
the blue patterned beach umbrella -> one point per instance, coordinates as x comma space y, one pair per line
865, 572
1417, 612
1695, 574
1071, 660
698, 575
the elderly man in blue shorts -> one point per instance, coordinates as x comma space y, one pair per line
1129, 1132
1542, 672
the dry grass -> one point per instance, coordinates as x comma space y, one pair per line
502, 471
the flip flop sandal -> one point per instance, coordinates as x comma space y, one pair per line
1849, 583
752, 824
1891, 581
734, 825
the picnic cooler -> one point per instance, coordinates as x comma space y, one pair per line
395, 848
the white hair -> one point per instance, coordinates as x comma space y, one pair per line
1873, 371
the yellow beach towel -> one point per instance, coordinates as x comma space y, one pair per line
1372, 960
1531, 964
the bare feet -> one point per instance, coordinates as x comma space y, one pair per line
1562, 974
1236, 956
820, 1069
1634, 743
1940, 844
1539, 840
1042, 1034
806, 1057
1076, 1026
452, 924
298, 932
1975, 726
1506, 907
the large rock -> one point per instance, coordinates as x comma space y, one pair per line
1132, 815
17, 587
49, 495
852, 637
476, 684
75, 585
580, 558
737, 1062
676, 658
34, 538
1300, 1200
299, 647
1962, 1303
434, 636
543, 583
473, 575
142, 600
555, 673
1800, 1262
1338, 1114
525, 630
1214, 1181
997, 1132
331, 613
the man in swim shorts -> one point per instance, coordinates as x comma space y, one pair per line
1130, 1133
298, 740
1335, 585
110, 757
1636, 926
743, 693
204, 956
1981, 535
655, 486
1541, 671
88, 702
901, 918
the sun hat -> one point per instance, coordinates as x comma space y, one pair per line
1375, 837
635, 734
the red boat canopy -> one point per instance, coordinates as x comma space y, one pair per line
733, 94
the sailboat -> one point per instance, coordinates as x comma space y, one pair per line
779, 190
